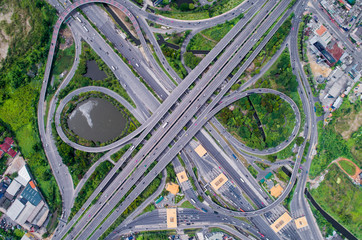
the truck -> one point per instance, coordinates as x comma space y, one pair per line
164, 125
234, 156
193, 201
204, 210
85, 28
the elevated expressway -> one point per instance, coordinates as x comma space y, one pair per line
178, 91
175, 149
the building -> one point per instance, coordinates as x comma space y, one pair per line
28, 209
200, 150
337, 103
15, 209
356, 35
6, 147
28, 236
336, 89
335, 51
172, 188
13, 189
182, 177
218, 181
171, 217
301, 222
276, 190
23, 176
330, 60
281, 222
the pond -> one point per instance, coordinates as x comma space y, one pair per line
97, 119
94, 72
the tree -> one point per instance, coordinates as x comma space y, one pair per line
299, 140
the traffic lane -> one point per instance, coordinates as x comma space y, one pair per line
243, 52
228, 169
141, 186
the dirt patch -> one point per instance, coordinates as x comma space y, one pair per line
14, 165
212, 40
4, 38
318, 69
200, 55
251, 67
66, 34
349, 124
357, 171
122, 16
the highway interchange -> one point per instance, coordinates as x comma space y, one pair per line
184, 104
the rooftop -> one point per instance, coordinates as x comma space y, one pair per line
301, 222
276, 190
321, 30
15, 209
200, 150
218, 181
182, 177
281, 222
13, 188
172, 188
171, 218
32, 195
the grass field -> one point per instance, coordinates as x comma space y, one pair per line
338, 196
253, 171
348, 167
208, 38
187, 204
332, 144
63, 60
221, 7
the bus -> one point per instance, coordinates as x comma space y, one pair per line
164, 125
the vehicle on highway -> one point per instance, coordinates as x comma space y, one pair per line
164, 125
85, 28
78, 19
204, 210
192, 200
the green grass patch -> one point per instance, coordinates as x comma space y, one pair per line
63, 60
253, 171
149, 208
116, 156
191, 60
262, 166
186, 11
208, 38
187, 204
173, 57
331, 144
92, 183
151, 235
338, 196
78, 80
178, 198
348, 167
275, 115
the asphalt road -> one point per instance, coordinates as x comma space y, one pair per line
198, 91
264, 27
